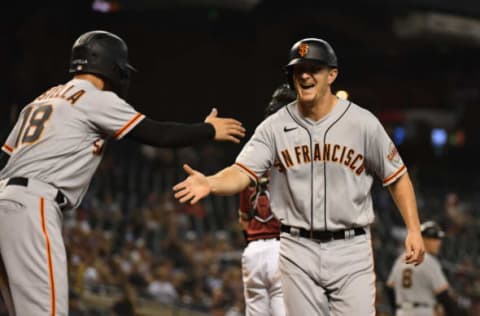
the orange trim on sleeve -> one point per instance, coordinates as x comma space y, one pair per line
130, 124
250, 172
394, 175
49, 257
8, 149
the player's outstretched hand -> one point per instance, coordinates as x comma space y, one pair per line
414, 248
193, 188
226, 129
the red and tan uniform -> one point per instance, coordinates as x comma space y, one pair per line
263, 224
261, 276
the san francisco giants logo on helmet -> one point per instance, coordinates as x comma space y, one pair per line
303, 49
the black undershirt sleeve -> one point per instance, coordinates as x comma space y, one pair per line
3, 159
391, 297
451, 308
171, 134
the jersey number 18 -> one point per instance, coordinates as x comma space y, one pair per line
33, 123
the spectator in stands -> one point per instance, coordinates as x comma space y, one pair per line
161, 287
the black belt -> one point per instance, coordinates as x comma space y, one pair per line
413, 304
59, 198
323, 235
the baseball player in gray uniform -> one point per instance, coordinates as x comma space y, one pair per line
323, 153
415, 290
49, 159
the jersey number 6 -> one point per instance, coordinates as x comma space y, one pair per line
30, 132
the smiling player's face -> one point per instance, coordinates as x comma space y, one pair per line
312, 81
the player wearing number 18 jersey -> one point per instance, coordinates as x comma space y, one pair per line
50, 157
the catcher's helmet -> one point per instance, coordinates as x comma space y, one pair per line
431, 229
310, 50
103, 54
281, 97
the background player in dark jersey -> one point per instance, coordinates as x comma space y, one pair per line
261, 276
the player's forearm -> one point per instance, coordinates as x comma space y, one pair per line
404, 197
228, 181
171, 134
450, 306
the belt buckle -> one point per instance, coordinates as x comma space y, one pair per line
64, 201
407, 305
294, 231
349, 233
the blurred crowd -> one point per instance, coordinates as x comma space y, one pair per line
130, 241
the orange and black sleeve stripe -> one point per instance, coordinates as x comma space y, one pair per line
394, 176
137, 118
249, 172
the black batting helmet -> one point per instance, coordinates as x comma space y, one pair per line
103, 54
281, 97
431, 229
314, 50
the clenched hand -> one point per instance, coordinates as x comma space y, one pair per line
414, 248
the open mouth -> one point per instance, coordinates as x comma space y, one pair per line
305, 86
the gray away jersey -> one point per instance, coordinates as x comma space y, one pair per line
59, 137
417, 283
322, 171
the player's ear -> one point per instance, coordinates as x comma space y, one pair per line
332, 75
